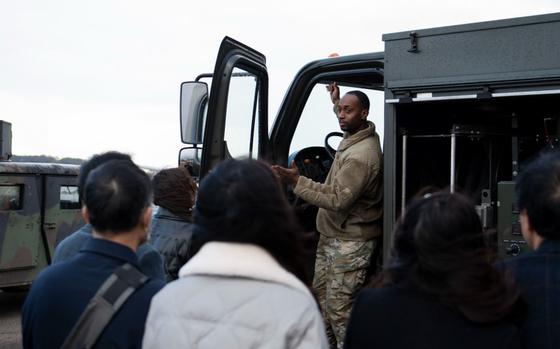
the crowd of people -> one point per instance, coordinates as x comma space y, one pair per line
167, 263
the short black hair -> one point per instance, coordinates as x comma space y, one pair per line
116, 194
362, 98
96, 161
538, 192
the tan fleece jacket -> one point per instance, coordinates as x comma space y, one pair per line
351, 199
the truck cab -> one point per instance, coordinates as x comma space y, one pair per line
236, 121
233, 120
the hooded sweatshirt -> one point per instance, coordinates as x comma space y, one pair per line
351, 199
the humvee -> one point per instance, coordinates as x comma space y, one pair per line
39, 206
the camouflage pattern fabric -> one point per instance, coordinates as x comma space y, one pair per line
340, 271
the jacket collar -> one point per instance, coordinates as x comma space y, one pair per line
240, 260
162, 212
549, 246
111, 249
349, 140
87, 228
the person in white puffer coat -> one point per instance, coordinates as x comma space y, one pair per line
246, 286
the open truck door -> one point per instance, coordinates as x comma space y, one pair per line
232, 121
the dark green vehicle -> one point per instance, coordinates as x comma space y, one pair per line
39, 206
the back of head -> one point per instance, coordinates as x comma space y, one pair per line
362, 98
175, 190
242, 201
538, 192
440, 250
94, 162
115, 195
436, 228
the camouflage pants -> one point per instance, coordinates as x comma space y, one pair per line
340, 271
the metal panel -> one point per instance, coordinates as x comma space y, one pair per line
506, 50
21, 250
510, 239
428, 97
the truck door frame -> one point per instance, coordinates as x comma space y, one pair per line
362, 71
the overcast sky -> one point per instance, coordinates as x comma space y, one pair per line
81, 77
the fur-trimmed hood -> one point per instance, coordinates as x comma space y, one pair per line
240, 260
234, 296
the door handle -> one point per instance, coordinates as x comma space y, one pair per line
49, 226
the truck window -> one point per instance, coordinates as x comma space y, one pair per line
69, 197
242, 117
10, 197
318, 118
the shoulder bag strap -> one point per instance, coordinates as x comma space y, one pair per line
103, 306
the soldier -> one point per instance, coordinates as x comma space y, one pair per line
350, 211
150, 260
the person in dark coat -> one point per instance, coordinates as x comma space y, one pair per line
440, 289
538, 273
172, 229
117, 204
150, 261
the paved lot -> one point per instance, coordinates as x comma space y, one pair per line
10, 332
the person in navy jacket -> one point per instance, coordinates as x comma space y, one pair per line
538, 273
117, 204
151, 262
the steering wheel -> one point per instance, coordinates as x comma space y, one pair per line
330, 150
312, 162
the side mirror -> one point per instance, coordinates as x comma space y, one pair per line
194, 100
190, 159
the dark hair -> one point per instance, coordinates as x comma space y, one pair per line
362, 98
242, 201
175, 190
95, 161
116, 194
538, 192
440, 250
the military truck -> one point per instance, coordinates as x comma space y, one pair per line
464, 107
39, 206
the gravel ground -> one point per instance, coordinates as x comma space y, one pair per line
10, 329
